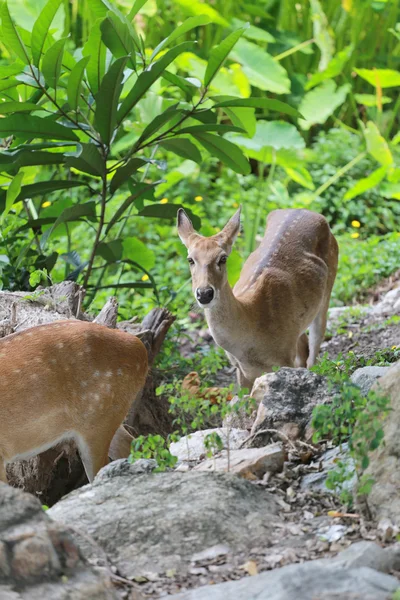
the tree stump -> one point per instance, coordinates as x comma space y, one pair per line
59, 470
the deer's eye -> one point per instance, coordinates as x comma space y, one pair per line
222, 260
190, 261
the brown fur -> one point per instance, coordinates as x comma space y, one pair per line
284, 288
69, 379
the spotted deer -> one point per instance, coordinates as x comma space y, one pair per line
69, 380
284, 289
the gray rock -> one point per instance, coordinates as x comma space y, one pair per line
191, 447
250, 463
39, 559
384, 468
326, 463
389, 304
122, 467
325, 579
369, 554
365, 377
287, 398
152, 523
240, 415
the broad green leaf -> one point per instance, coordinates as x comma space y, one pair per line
301, 176
137, 5
41, 28
95, 48
87, 159
243, 118
13, 192
381, 78
75, 81
227, 152
122, 174
169, 211
12, 107
182, 83
186, 26
220, 53
376, 145
141, 190
110, 251
157, 123
264, 103
107, 100
10, 70
196, 7
333, 69
137, 251
10, 36
254, 33
148, 77
35, 127
390, 190
371, 99
182, 147
41, 188
322, 34
219, 128
116, 36
72, 213
15, 159
271, 134
261, 69
366, 183
52, 61
321, 102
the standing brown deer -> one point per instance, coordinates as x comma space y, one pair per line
284, 289
68, 380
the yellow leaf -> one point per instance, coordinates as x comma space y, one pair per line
250, 567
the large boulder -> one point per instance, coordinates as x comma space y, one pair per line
191, 447
286, 399
365, 377
352, 574
156, 522
39, 560
384, 499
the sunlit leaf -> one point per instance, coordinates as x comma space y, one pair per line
186, 26
96, 50
52, 61
220, 53
377, 145
261, 69
254, 33
139, 252
366, 183
333, 69
382, 78
34, 127
41, 28
321, 102
226, 151
13, 192
322, 34
196, 7
10, 36
12, 107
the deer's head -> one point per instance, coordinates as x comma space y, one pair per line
207, 257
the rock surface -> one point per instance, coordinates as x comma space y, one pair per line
39, 558
390, 303
384, 500
153, 523
249, 463
348, 576
286, 400
365, 377
326, 463
191, 447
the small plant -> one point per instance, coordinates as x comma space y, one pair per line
153, 446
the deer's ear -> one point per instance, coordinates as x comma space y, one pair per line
185, 227
231, 230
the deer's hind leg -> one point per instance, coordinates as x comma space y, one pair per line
317, 333
303, 351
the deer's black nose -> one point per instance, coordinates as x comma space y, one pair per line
205, 295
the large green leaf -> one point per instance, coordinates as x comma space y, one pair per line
366, 183
41, 188
110, 251
272, 136
217, 127
72, 213
52, 62
220, 53
261, 69
107, 100
41, 28
148, 77
137, 5
227, 152
35, 127
254, 33
10, 37
322, 34
182, 147
15, 159
116, 36
321, 102
75, 82
372, 99
334, 68
122, 174
264, 103
13, 107
139, 252
13, 192
141, 190
243, 117
380, 78
95, 48
196, 7
169, 211
157, 123
377, 145
88, 160
10, 70
186, 26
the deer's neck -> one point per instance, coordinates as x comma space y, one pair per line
227, 318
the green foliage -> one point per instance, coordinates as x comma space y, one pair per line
153, 446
